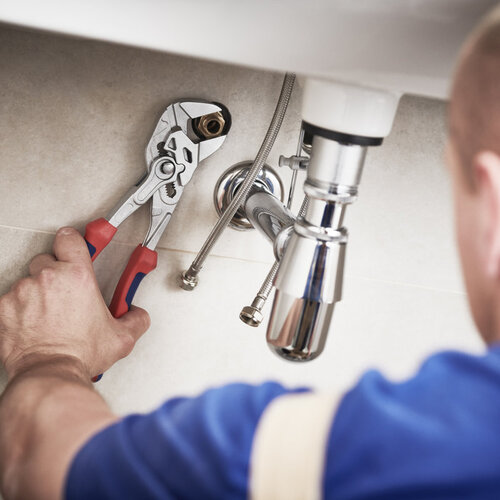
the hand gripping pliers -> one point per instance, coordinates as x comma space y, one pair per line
187, 133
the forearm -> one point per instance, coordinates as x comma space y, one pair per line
48, 410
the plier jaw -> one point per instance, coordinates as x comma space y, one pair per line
186, 117
176, 148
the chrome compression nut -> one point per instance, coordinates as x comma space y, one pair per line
187, 282
251, 315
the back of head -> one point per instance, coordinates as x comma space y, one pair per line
475, 100
474, 160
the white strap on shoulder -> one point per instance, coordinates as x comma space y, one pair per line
289, 447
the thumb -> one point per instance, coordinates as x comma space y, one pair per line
136, 322
69, 246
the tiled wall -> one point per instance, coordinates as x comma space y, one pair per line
74, 119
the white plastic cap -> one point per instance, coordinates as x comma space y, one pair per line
349, 109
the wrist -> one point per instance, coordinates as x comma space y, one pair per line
61, 366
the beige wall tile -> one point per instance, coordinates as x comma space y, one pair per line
401, 227
197, 341
75, 116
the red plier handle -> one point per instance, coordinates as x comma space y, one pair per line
98, 234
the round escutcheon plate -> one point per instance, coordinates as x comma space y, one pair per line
229, 183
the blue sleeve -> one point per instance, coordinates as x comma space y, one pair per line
188, 448
435, 436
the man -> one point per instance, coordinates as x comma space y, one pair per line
434, 436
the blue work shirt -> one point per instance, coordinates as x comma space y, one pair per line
434, 436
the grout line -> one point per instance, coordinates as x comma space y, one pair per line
133, 245
217, 256
26, 229
251, 261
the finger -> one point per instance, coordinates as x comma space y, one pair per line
41, 262
136, 322
21, 288
69, 246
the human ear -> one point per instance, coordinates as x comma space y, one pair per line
487, 175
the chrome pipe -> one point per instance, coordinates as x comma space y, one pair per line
308, 284
334, 170
271, 217
309, 279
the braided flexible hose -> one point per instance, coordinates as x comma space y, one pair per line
191, 275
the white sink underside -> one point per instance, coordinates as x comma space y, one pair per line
403, 45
